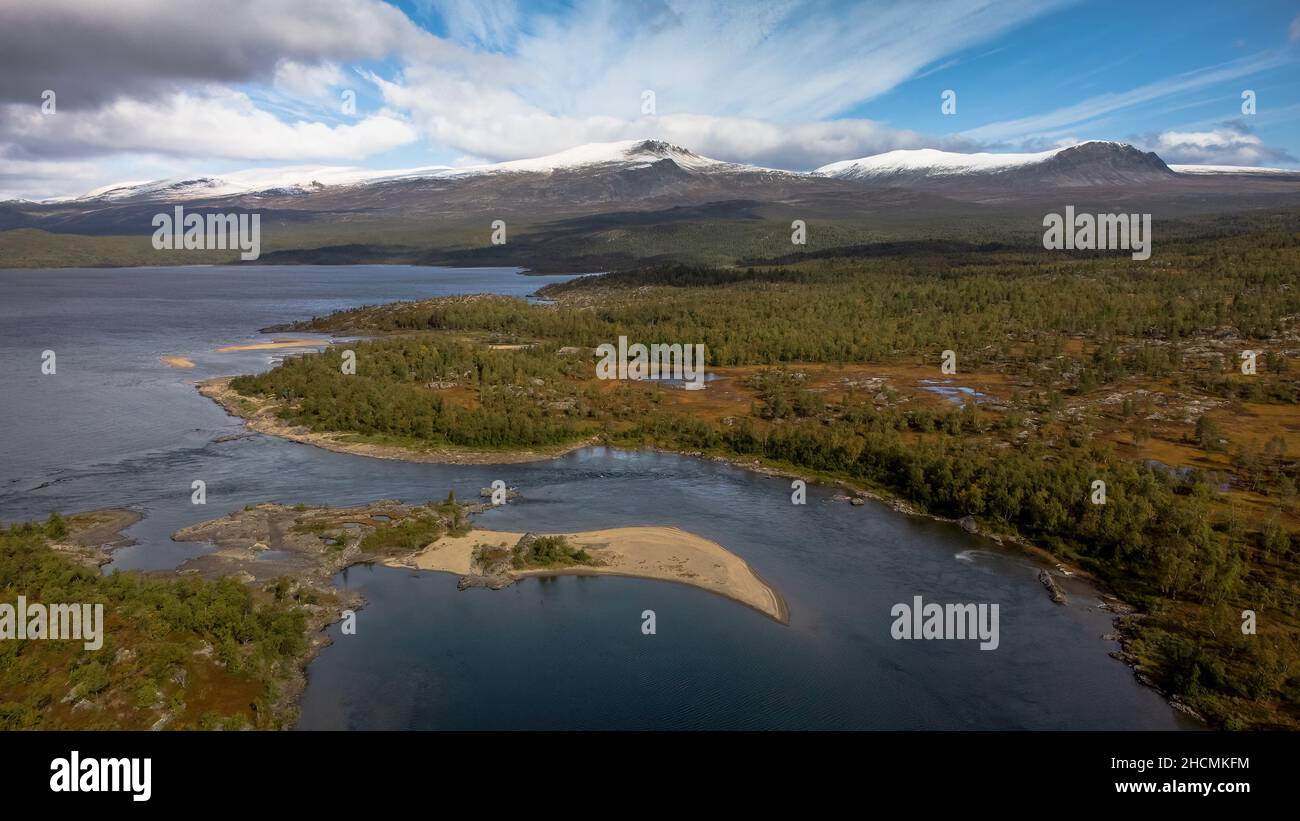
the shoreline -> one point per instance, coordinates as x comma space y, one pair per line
273, 345
241, 540
1124, 614
94, 535
313, 556
263, 420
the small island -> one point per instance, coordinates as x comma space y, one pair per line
304, 546
495, 559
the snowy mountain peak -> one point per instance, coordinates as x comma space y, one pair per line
929, 161
1090, 163
634, 153
305, 179
1087, 163
936, 163
290, 179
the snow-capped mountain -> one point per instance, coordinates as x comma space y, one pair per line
626, 153
616, 204
1085, 164
605, 184
594, 157
929, 161
604, 172
256, 180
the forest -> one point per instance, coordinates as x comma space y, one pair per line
1112, 369
206, 654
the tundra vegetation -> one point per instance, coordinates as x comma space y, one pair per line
219, 642
1076, 367
185, 653
548, 552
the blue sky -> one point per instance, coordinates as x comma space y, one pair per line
150, 89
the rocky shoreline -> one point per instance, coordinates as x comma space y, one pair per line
296, 551
93, 536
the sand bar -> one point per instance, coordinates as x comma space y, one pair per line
177, 361
275, 344
652, 552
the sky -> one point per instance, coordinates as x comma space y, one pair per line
158, 89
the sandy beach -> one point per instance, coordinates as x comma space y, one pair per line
665, 553
275, 344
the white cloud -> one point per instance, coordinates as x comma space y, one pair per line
307, 81
747, 82
40, 179
215, 123
784, 62
92, 53
1079, 116
753, 82
1229, 144
495, 124
490, 23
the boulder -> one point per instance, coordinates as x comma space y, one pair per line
1050, 584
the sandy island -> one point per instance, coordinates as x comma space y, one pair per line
275, 344
177, 361
665, 553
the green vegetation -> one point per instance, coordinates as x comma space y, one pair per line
453, 513
200, 653
391, 396
1113, 369
549, 551
1018, 307
404, 536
